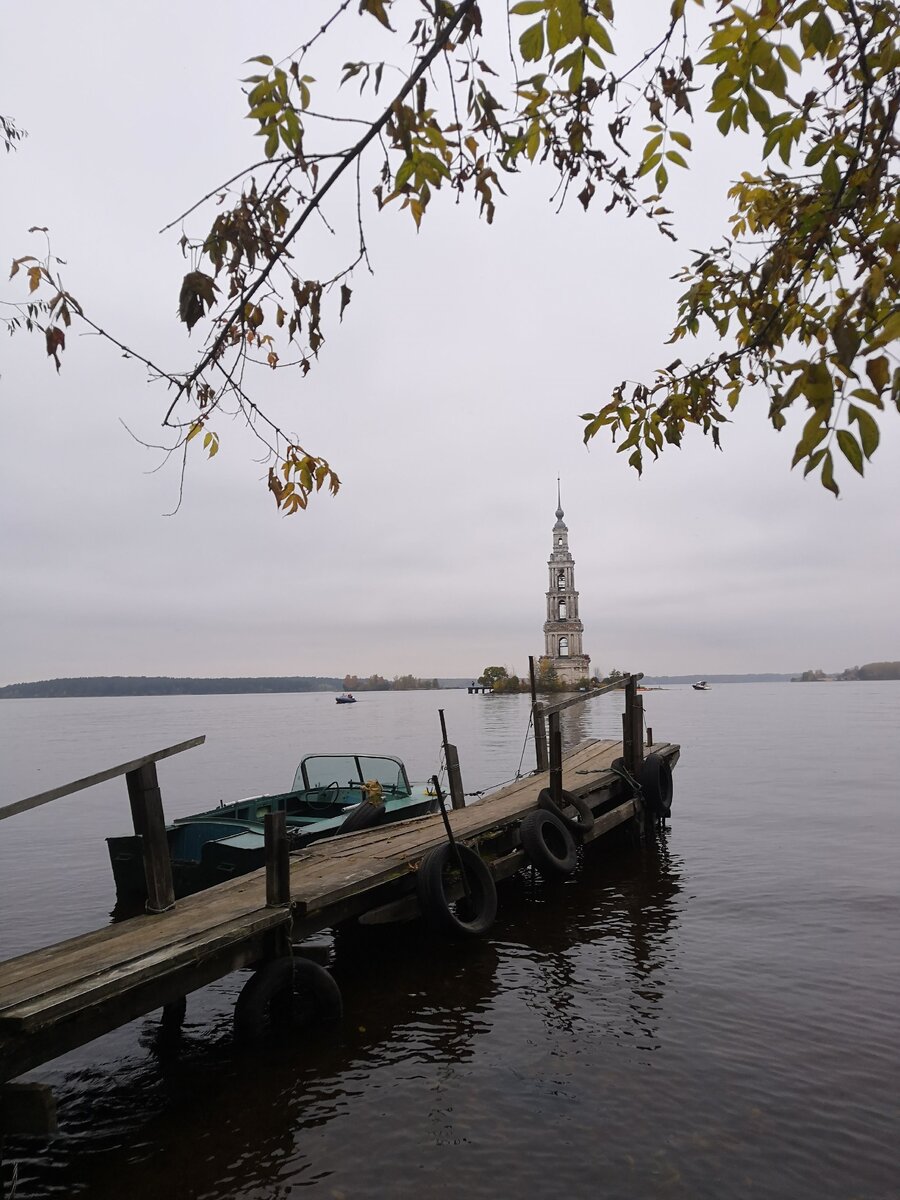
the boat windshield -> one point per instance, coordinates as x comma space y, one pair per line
320, 770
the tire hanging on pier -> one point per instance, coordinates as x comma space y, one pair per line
438, 877
285, 993
548, 844
655, 778
581, 824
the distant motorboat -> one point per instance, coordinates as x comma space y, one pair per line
345, 699
700, 686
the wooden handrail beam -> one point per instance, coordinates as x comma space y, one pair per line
101, 777
598, 691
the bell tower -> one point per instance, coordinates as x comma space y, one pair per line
563, 651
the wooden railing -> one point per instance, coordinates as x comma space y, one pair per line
548, 737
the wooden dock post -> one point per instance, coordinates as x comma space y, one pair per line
633, 727
540, 722
454, 775
150, 824
278, 861
556, 779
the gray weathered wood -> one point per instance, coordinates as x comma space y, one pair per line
454, 776
637, 733
149, 822
66, 789
556, 774
602, 690
540, 725
540, 738
278, 862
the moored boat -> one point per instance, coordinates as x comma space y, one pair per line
331, 794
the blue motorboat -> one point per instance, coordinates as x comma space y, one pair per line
331, 794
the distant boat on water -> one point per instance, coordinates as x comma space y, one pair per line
345, 699
700, 686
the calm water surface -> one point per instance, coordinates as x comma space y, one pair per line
713, 1017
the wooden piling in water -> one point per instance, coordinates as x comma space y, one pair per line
278, 860
150, 824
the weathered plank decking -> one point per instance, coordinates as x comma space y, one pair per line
55, 999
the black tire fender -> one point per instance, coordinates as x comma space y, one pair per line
364, 816
655, 778
464, 917
581, 824
548, 844
285, 993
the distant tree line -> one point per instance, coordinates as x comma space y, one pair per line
164, 685
874, 670
400, 683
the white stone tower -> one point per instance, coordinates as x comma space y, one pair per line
563, 629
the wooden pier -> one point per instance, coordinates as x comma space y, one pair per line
61, 997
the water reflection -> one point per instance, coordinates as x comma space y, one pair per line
618, 910
415, 1007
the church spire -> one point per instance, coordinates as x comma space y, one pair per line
563, 652
560, 523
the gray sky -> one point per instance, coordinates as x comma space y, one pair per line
448, 402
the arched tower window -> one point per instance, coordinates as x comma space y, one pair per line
561, 581
563, 647
559, 541
562, 612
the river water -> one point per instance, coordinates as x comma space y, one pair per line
714, 1016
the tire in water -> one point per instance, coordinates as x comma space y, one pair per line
438, 878
656, 785
581, 824
548, 844
285, 994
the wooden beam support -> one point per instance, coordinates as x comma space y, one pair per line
454, 776
278, 861
150, 824
542, 758
633, 727
27, 1110
540, 724
556, 779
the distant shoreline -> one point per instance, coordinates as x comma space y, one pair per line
111, 686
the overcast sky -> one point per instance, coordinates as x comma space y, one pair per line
447, 400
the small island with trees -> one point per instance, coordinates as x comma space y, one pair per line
869, 672
503, 681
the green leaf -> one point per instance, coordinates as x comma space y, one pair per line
828, 474
531, 42
869, 433
879, 371
789, 58
851, 449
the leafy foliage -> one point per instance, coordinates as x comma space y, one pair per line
800, 292
10, 133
